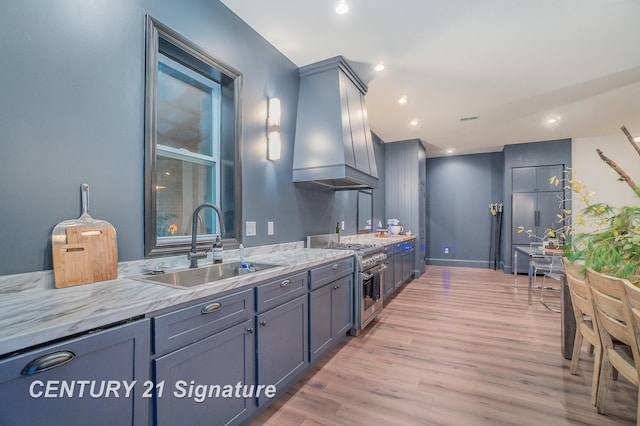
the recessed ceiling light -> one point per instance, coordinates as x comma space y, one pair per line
342, 8
379, 67
450, 150
553, 120
403, 100
414, 122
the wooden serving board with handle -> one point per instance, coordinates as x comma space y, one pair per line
87, 251
90, 255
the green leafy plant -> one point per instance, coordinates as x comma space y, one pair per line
611, 242
609, 237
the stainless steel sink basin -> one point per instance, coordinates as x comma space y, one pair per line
187, 278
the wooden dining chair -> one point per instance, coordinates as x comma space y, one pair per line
633, 300
614, 321
586, 325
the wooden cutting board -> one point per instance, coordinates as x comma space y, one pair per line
90, 255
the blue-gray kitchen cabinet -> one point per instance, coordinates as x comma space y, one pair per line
399, 266
282, 351
389, 283
207, 344
66, 383
330, 315
320, 324
398, 270
536, 178
342, 303
407, 257
215, 365
405, 192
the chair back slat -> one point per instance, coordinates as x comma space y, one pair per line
579, 296
578, 289
633, 299
612, 304
609, 301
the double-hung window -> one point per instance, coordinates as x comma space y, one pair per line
187, 149
192, 143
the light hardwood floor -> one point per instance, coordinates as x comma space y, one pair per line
458, 346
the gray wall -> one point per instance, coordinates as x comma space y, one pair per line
379, 194
72, 108
523, 155
459, 191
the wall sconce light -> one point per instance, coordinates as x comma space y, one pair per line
273, 129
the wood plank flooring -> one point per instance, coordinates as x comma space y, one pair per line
458, 346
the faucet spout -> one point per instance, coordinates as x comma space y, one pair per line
193, 255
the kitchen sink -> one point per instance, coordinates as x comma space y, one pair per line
187, 278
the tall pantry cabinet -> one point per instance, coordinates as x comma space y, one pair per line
536, 204
405, 192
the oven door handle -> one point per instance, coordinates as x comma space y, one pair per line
377, 269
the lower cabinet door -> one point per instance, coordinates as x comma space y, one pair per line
94, 379
283, 337
320, 316
398, 274
389, 278
330, 315
210, 382
407, 264
342, 302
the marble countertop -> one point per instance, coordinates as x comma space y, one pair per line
33, 311
373, 238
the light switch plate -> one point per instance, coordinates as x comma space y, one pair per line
251, 229
269, 228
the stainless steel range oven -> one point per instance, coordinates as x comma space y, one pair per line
369, 277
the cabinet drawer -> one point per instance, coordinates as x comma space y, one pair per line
115, 354
200, 320
281, 290
391, 249
327, 273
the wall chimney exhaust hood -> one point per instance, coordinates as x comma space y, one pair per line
333, 144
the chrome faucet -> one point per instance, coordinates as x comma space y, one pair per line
194, 255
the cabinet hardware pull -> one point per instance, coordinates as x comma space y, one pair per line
335, 287
335, 266
47, 362
211, 307
285, 283
250, 330
263, 323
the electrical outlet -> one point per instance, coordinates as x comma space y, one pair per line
269, 228
342, 226
446, 250
251, 229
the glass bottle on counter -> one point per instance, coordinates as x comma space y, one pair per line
217, 250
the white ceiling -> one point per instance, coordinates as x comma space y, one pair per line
512, 63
